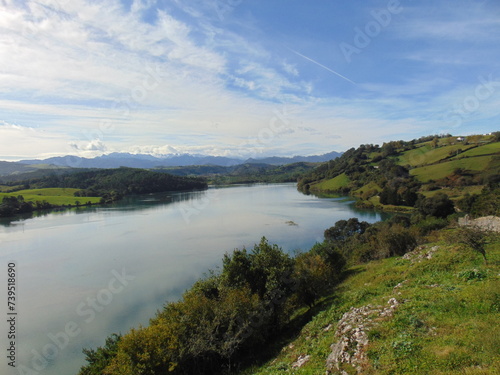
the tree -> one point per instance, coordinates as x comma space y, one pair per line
397, 241
344, 229
435, 142
496, 136
389, 196
314, 277
473, 237
439, 205
101, 357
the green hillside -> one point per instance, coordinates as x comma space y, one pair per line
445, 320
426, 154
243, 173
333, 184
398, 173
446, 168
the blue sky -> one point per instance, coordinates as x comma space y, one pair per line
242, 78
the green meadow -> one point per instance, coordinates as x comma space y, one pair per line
55, 196
428, 155
441, 170
446, 322
333, 184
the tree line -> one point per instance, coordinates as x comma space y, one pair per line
123, 181
109, 184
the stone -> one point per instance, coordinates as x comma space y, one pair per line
301, 361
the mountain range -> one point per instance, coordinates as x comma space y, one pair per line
116, 160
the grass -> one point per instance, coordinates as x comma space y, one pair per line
8, 189
491, 148
55, 196
375, 201
371, 186
333, 184
455, 193
446, 324
428, 155
441, 170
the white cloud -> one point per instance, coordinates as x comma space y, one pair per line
290, 69
104, 76
93, 145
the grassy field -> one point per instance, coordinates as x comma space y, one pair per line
7, 189
446, 322
488, 149
427, 155
333, 184
56, 196
455, 193
441, 170
371, 186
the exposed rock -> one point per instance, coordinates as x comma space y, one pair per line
433, 286
352, 333
301, 361
420, 253
485, 223
400, 285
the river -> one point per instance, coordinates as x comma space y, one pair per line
85, 273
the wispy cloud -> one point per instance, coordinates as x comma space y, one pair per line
113, 75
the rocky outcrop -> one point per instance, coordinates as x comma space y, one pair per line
420, 253
349, 352
301, 361
485, 223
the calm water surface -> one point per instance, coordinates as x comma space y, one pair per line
84, 274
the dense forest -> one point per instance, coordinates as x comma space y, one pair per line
121, 180
109, 184
244, 173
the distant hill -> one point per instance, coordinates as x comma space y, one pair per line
116, 160
7, 167
397, 173
243, 173
18, 168
276, 160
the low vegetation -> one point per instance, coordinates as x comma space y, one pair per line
445, 320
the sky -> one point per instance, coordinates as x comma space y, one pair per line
242, 78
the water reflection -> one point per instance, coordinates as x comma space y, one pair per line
165, 241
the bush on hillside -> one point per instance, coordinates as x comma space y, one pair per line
438, 206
